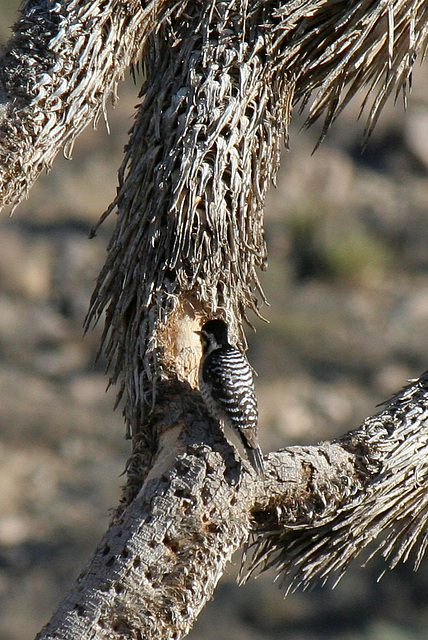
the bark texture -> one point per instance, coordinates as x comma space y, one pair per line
389, 511
222, 79
57, 74
162, 557
317, 509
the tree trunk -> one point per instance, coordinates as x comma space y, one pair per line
315, 511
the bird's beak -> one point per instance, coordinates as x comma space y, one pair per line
198, 333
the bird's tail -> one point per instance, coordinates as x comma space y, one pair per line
255, 457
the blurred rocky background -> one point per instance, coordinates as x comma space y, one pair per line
347, 233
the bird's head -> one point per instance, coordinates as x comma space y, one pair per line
213, 334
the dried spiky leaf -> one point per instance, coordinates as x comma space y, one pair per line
222, 79
58, 73
388, 512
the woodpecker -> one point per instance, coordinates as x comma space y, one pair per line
227, 387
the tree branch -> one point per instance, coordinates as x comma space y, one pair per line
318, 509
57, 74
385, 503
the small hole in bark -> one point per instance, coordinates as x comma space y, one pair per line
171, 544
180, 493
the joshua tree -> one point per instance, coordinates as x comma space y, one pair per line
221, 79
